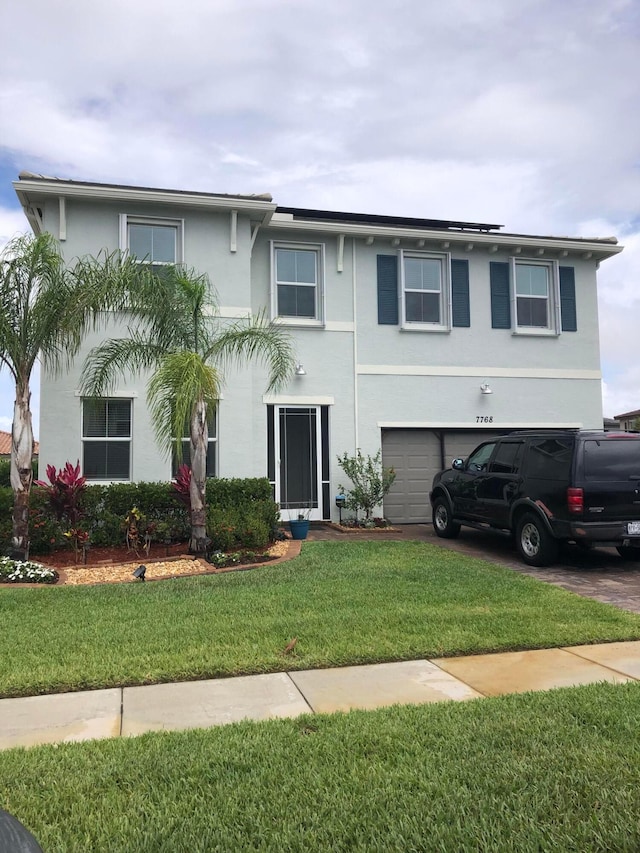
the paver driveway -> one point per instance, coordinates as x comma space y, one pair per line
599, 573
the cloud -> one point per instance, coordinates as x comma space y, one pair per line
523, 113
13, 223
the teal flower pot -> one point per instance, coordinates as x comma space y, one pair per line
299, 528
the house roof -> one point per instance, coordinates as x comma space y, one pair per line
32, 176
32, 189
5, 444
302, 213
634, 414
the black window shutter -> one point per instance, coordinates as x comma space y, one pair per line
388, 290
568, 299
500, 297
460, 313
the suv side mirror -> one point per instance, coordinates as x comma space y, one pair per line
457, 464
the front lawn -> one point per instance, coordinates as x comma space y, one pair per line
347, 603
557, 771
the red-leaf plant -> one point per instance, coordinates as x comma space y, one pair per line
182, 484
65, 487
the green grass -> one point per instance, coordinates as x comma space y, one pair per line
557, 771
347, 603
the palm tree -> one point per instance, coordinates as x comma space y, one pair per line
45, 309
174, 331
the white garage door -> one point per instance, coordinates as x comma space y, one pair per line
415, 454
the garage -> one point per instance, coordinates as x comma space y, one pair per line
417, 455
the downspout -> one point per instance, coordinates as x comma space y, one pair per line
356, 428
443, 461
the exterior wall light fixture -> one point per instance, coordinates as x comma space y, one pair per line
485, 388
300, 371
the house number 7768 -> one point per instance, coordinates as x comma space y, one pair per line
484, 419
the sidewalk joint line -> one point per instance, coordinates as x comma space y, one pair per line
603, 665
461, 680
306, 701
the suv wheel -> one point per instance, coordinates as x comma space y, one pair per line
536, 545
442, 522
628, 552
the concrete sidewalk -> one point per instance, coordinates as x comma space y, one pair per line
117, 712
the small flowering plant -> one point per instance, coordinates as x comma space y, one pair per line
78, 538
25, 571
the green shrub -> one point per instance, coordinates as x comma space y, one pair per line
230, 529
105, 509
45, 531
371, 481
238, 492
241, 514
6, 510
222, 527
253, 533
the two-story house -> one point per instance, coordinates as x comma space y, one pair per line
417, 336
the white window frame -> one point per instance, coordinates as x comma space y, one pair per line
121, 439
553, 298
178, 224
318, 249
445, 292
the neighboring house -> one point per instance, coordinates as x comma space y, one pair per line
629, 420
419, 336
610, 424
5, 446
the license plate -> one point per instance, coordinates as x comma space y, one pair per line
633, 528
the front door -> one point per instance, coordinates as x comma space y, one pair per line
298, 480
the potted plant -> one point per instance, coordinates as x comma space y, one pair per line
299, 526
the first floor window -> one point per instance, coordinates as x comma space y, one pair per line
212, 449
533, 295
106, 439
424, 285
297, 272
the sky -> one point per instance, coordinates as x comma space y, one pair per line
522, 113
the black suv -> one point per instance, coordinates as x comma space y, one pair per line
546, 487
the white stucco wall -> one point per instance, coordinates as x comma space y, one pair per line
362, 367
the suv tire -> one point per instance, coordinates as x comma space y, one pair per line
628, 552
443, 524
535, 544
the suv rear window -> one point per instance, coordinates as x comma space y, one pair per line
549, 458
612, 459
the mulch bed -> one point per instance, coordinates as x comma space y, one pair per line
117, 564
109, 554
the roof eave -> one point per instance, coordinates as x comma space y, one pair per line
28, 191
600, 249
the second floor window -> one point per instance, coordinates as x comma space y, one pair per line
297, 282
154, 241
533, 295
425, 290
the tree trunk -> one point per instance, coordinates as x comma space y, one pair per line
197, 491
21, 470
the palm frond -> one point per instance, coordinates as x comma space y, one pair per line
115, 357
181, 380
256, 339
32, 301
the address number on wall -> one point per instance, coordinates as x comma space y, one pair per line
484, 419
